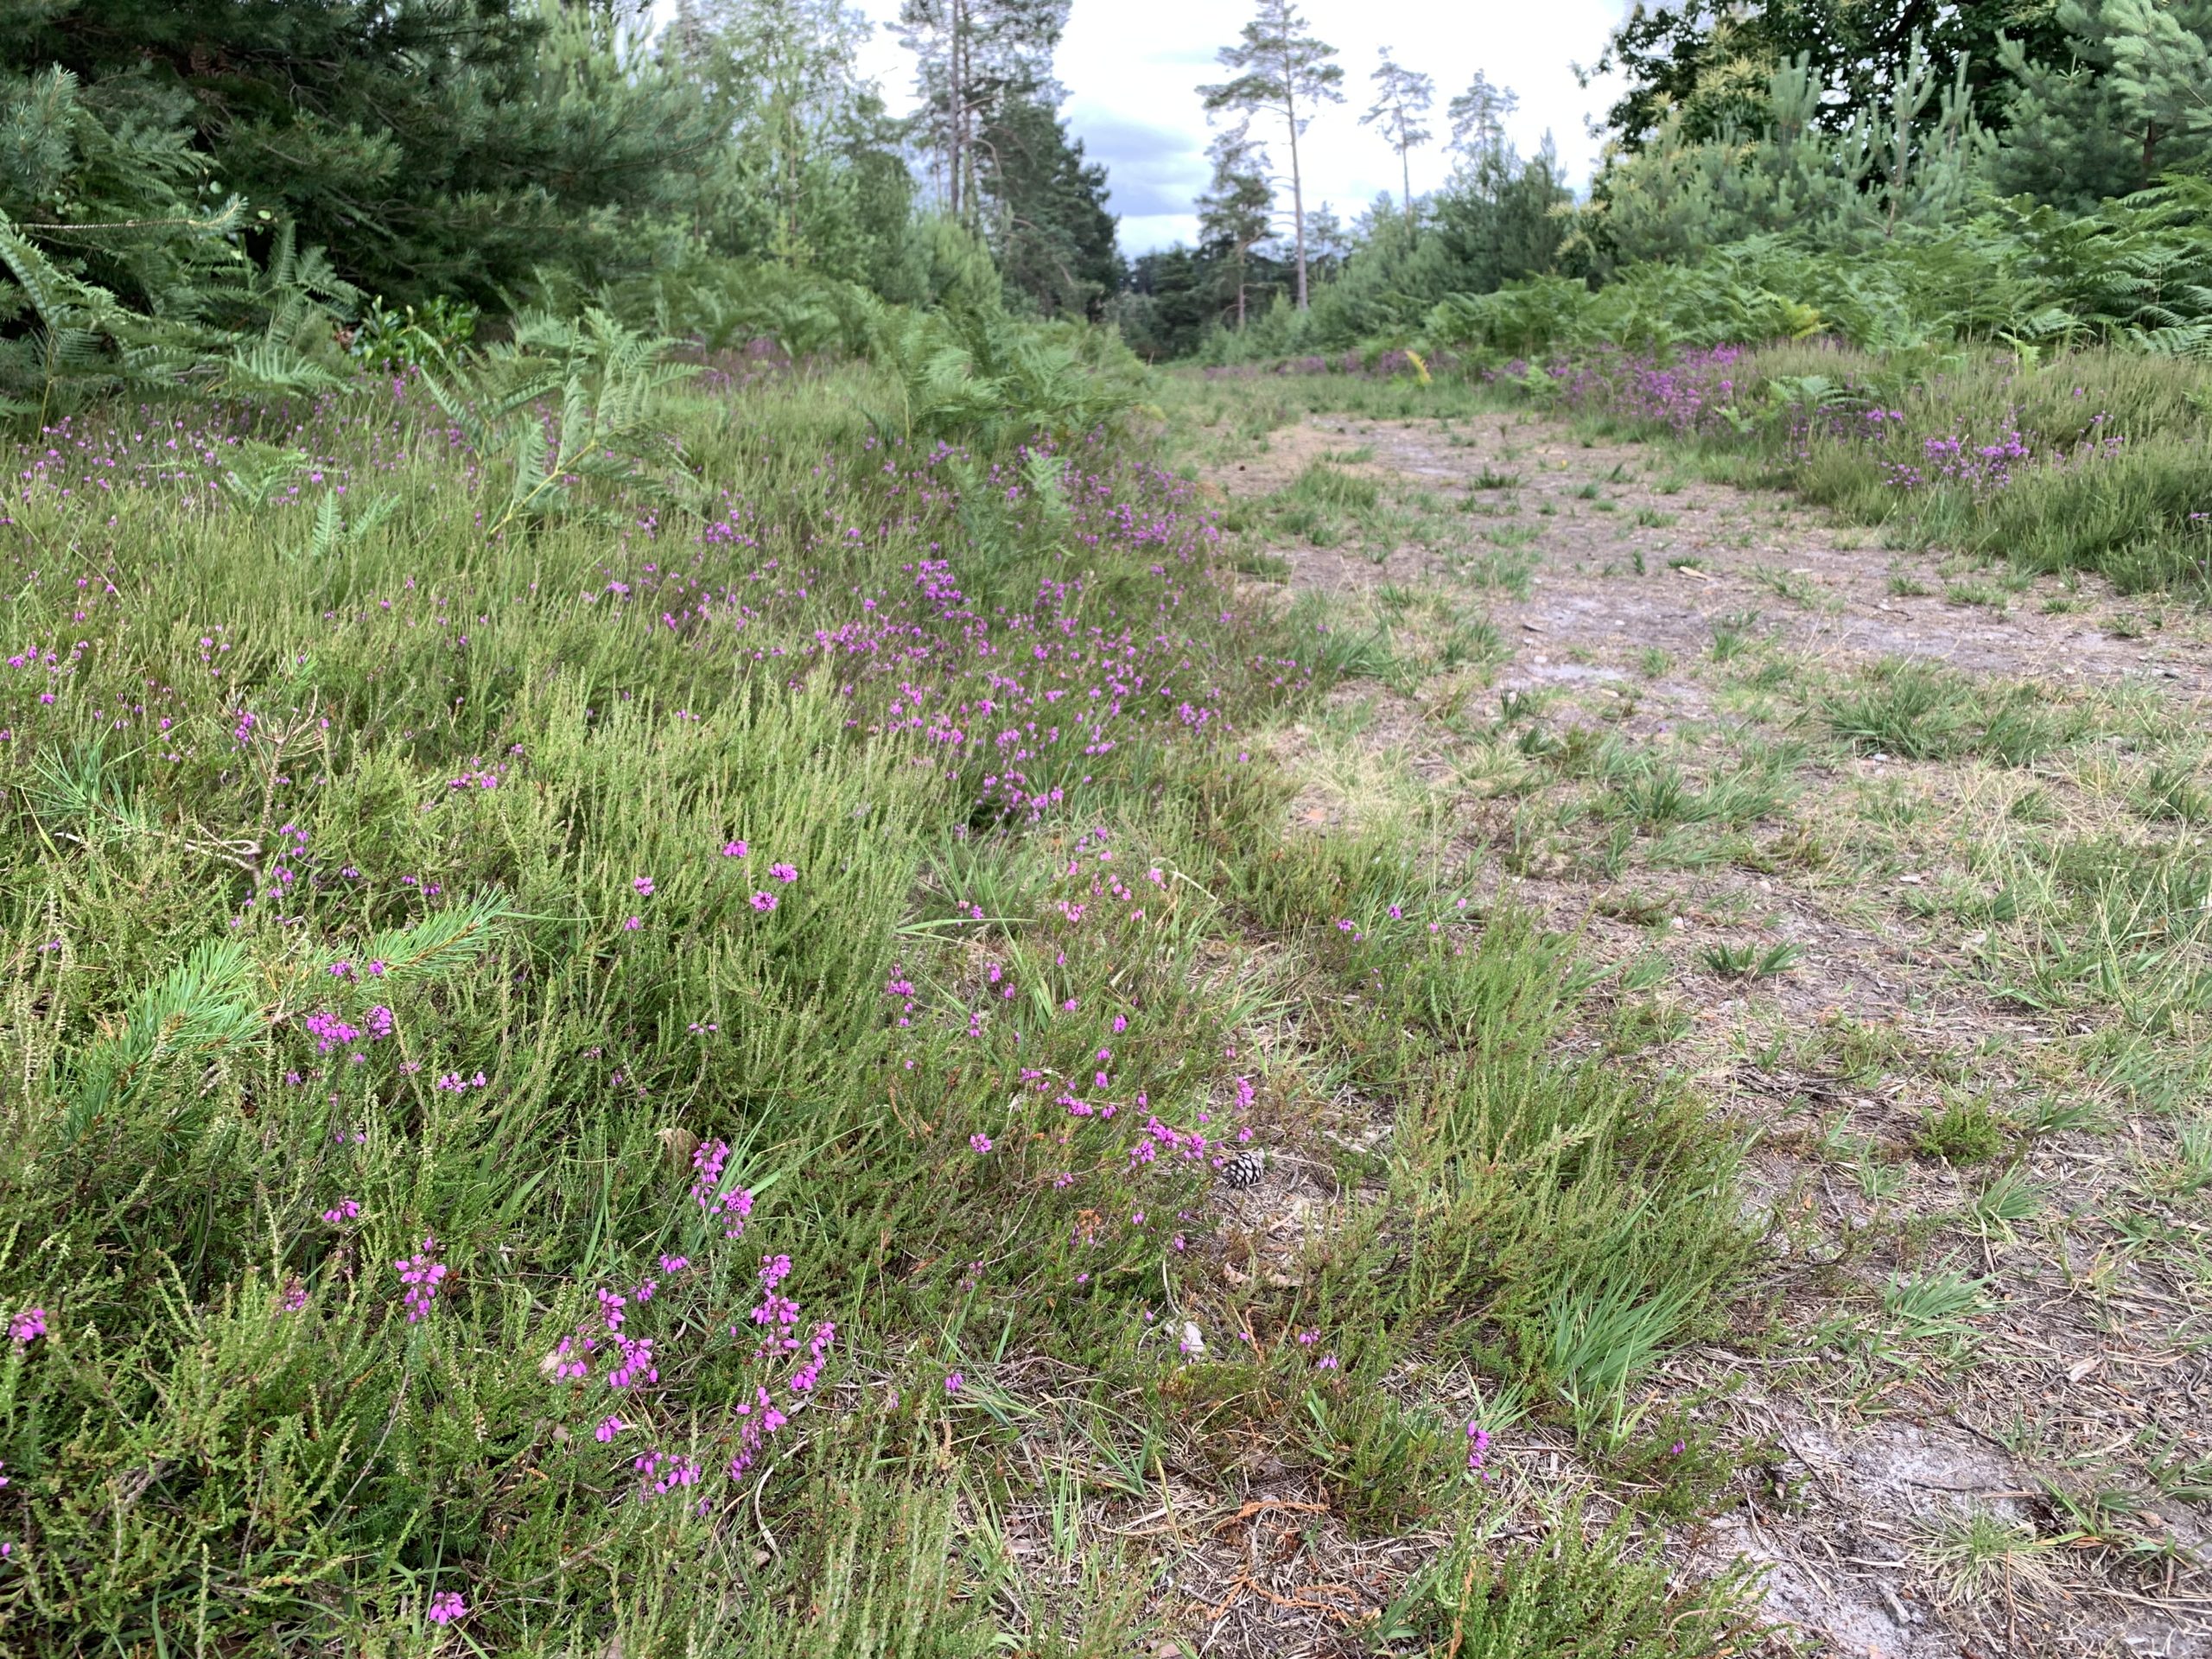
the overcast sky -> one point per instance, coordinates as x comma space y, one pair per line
1131, 66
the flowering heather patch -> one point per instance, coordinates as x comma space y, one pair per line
1685, 394
603, 1050
2094, 461
1714, 392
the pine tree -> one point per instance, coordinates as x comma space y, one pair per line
1328, 243
1050, 227
1283, 72
1499, 218
2127, 99
1402, 100
1238, 211
433, 146
1478, 118
1913, 161
1168, 305
973, 56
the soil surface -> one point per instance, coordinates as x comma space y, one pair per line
2023, 1469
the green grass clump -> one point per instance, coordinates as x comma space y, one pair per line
1914, 711
1574, 1591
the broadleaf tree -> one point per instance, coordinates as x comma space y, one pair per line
1708, 63
817, 179
1281, 71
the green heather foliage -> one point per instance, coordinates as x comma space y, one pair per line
516, 883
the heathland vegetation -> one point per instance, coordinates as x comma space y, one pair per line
712, 946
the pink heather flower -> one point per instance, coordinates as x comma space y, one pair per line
665, 1472
422, 1274
294, 1297
632, 924
608, 1427
447, 1606
764, 901
344, 1211
808, 1375
673, 1264
26, 1326
953, 1383
1479, 1437
566, 1367
637, 1364
707, 1158
980, 1142
783, 872
733, 850
376, 970
644, 884
341, 970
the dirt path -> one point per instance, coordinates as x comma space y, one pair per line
1954, 989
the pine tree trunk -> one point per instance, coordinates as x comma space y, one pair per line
955, 114
1406, 177
1297, 190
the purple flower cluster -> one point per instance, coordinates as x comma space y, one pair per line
423, 1275
1696, 394
733, 1207
1981, 468
633, 1367
1686, 394
331, 1033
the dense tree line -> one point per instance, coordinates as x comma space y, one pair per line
1822, 122
231, 184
